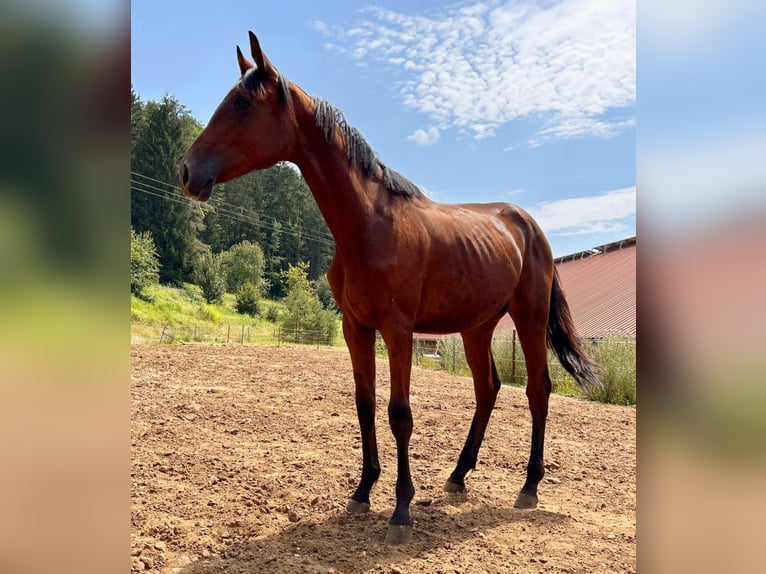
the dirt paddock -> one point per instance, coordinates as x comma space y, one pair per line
243, 459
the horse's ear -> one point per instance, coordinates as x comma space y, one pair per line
258, 56
244, 63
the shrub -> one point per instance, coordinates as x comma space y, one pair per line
144, 263
248, 300
209, 275
324, 294
272, 313
304, 311
209, 313
243, 263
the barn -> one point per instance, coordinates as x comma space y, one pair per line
600, 286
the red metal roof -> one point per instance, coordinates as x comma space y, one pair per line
600, 286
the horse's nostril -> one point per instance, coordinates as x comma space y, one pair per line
185, 176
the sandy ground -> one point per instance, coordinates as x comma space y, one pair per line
244, 458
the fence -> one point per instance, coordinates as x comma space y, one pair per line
617, 356
194, 334
303, 337
242, 334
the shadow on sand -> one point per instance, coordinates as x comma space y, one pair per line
353, 544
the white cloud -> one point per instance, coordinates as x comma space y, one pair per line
320, 26
508, 194
609, 212
579, 125
425, 137
480, 66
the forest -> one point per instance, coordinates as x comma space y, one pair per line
272, 208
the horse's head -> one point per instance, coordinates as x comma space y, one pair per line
252, 128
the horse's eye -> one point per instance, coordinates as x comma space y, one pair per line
241, 103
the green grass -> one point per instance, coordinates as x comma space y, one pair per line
186, 317
617, 357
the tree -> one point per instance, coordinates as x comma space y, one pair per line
161, 132
136, 118
144, 263
242, 264
304, 311
209, 275
324, 294
272, 208
248, 300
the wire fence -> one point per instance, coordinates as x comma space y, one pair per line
616, 355
241, 334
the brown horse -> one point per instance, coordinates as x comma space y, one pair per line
402, 264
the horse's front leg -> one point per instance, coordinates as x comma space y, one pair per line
361, 345
400, 419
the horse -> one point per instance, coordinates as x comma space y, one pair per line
402, 264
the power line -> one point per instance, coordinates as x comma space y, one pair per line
319, 235
238, 217
236, 213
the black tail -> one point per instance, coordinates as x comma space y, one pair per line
562, 338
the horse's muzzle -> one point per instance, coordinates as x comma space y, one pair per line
200, 187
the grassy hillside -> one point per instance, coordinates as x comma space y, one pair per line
185, 316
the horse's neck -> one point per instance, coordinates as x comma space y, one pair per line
339, 189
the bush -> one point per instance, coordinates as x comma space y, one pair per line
209, 275
248, 300
324, 294
209, 313
272, 314
242, 264
304, 311
144, 263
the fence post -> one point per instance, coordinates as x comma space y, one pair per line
417, 351
163, 332
242, 340
513, 358
228, 332
454, 351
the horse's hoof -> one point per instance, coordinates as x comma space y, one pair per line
356, 507
450, 486
525, 501
398, 534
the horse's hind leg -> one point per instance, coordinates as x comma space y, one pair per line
361, 345
531, 319
486, 384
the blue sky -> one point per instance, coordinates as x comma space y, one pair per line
528, 102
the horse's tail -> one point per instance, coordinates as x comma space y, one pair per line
562, 338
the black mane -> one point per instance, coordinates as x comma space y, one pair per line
253, 81
327, 118
359, 152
